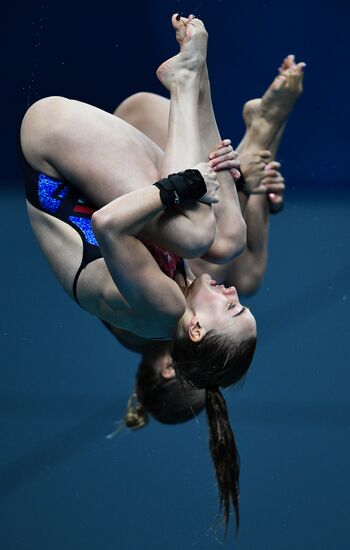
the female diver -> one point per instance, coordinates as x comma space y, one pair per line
265, 121
158, 391
72, 151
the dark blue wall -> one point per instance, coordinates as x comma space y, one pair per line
100, 53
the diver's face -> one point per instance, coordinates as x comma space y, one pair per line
218, 307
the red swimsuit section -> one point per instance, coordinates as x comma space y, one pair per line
167, 261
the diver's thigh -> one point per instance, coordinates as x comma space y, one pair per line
149, 113
60, 243
100, 154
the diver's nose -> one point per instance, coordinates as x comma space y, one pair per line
231, 290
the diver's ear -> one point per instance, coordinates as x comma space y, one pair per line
196, 331
166, 369
167, 372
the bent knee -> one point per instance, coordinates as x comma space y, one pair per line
236, 244
198, 242
38, 126
133, 105
148, 113
227, 248
40, 114
141, 103
39, 120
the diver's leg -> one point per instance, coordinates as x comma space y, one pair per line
230, 237
181, 76
105, 158
230, 227
246, 272
98, 153
266, 117
174, 122
265, 120
149, 113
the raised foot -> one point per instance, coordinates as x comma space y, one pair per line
280, 97
193, 38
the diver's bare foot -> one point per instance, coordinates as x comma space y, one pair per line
193, 38
280, 97
180, 27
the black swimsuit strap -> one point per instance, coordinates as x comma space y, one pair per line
75, 283
64, 212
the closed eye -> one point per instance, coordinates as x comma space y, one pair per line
231, 306
241, 311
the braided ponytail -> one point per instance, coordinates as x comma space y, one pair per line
136, 416
224, 452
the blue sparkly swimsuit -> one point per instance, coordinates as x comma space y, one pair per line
65, 202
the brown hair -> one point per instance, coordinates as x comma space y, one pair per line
168, 400
216, 361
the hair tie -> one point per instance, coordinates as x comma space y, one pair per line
135, 417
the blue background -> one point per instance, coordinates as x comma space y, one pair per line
101, 53
63, 378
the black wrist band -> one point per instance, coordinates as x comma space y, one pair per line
180, 187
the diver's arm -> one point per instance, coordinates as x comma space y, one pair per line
246, 272
155, 300
128, 214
